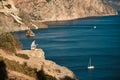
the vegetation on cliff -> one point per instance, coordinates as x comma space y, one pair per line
9, 43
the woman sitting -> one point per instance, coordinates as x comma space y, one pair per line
33, 45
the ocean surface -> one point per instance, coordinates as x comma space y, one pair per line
72, 43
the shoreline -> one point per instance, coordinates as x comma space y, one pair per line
52, 22
81, 17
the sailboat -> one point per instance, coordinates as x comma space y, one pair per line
89, 65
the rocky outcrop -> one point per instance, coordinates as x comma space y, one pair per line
59, 72
8, 24
13, 75
12, 19
56, 10
8, 7
37, 60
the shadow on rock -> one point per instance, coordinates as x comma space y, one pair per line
3, 72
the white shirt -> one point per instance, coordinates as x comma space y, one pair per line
33, 44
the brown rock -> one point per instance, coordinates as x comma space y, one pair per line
55, 10
37, 60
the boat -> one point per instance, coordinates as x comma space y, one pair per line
30, 33
90, 66
94, 27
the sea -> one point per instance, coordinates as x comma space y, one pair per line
73, 43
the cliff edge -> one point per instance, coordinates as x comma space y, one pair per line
37, 61
22, 64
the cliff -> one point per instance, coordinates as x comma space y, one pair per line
56, 10
12, 19
17, 15
22, 64
37, 61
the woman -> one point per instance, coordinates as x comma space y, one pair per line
33, 45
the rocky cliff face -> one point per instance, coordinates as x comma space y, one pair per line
55, 10
17, 15
37, 61
114, 3
12, 19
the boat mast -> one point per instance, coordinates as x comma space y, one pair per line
90, 61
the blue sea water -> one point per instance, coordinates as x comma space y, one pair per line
72, 43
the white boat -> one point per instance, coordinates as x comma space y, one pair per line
94, 27
89, 65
